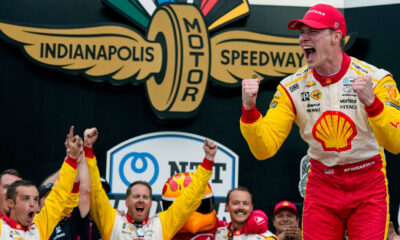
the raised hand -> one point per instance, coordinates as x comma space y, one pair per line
249, 92
73, 144
363, 87
90, 136
210, 149
70, 136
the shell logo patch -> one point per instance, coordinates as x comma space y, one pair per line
316, 94
392, 93
328, 81
335, 131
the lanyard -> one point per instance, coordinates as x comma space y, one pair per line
230, 234
139, 230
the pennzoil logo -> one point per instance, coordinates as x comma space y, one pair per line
176, 58
316, 94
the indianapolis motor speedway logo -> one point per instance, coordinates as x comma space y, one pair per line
176, 58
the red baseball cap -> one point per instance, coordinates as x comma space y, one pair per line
322, 16
285, 205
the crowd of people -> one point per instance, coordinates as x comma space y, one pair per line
347, 110
73, 204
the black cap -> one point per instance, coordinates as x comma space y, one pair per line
44, 189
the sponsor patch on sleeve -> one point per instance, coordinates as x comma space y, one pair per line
273, 104
392, 103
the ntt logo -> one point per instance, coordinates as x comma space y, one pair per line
157, 156
134, 157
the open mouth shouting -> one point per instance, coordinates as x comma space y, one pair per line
28, 218
139, 213
309, 52
31, 215
139, 209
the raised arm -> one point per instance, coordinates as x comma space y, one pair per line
59, 196
173, 219
84, 187
250, 92
383, 109
101, 210
265, 135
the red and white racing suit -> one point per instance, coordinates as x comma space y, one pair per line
164, 225
347, 185
62, 199
256, 225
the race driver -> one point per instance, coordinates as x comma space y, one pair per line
348, 112
22, 222
137, 224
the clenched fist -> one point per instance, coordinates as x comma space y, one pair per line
210, 149
90, 136
363, 87
249, 92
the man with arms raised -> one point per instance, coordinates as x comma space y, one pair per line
348, 111
239, 204
23, 201
137, 224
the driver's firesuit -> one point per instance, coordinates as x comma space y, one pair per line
347, 179
164, 225
60, 202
